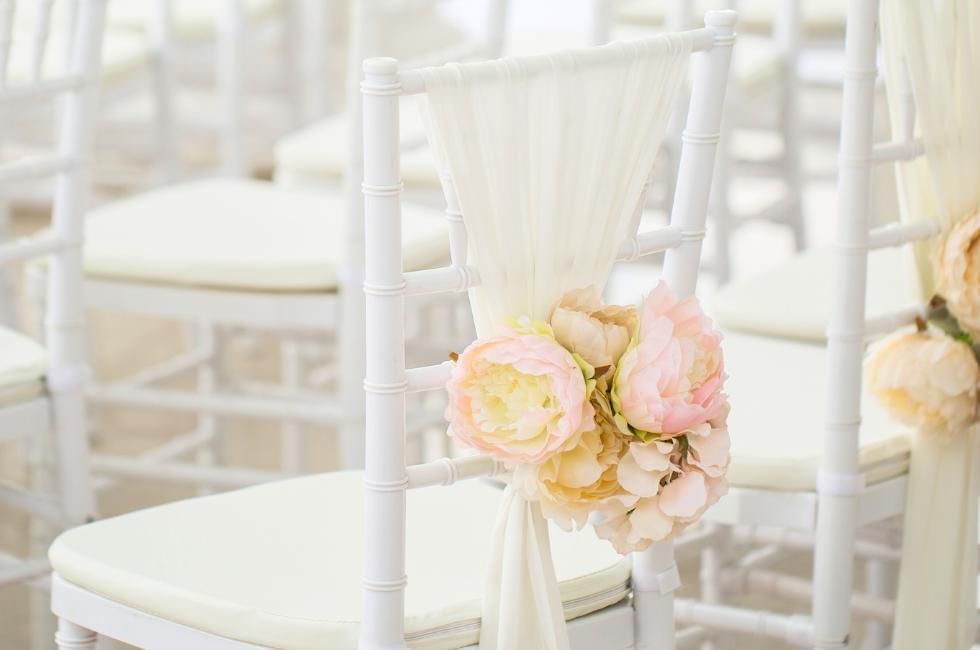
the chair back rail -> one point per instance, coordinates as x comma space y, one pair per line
70, 86
387, 478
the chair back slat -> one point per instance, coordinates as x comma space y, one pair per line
39, 46
7, 8
388, 380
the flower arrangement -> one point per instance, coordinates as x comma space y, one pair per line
929, 378
603, 409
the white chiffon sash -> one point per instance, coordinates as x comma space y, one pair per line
522, 607
549, 156
933, 47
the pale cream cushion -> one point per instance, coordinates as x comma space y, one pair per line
318, 152
280, 564
820, 18
239, 234
23, 363
191, 18
778, 394
793, 299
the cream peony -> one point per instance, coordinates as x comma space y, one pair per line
957, 268
571, 484
599, 334
520, 397
925, 379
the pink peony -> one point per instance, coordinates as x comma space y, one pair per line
671, 377
668, 484
520, 397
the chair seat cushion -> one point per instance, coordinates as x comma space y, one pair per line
23, 363
191, 18
239, 234
793, 300
819, 18
778, 396
318, 152
280, 564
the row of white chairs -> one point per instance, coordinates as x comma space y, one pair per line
182, 575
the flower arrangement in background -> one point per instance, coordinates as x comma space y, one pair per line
929, 378
603, 409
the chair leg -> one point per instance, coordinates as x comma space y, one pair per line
209, 424
833, 566
73, 637
654, 579
877, 581
293, 450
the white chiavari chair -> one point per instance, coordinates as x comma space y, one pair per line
41, 387
794, 490
764, 74
278, 564
316, 156
237, 253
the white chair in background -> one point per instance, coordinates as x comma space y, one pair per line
413, 31
229, 34
278, 564
237, 253
797, 487
764, 75
41, 387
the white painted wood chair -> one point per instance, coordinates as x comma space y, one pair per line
796, 486
764, 74
277, 565
316, 156
41, 387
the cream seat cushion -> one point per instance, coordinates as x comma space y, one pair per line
318, 153
280, 564
793, 300
191, 18
23, 363
778, 395
239, 234
820, 18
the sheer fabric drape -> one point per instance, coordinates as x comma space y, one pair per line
549, 156
933, 46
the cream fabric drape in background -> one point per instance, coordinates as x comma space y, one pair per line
933, 46
549, 155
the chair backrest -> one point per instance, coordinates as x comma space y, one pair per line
30, 77
388, 380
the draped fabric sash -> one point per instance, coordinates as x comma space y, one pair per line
549, 156
933, 47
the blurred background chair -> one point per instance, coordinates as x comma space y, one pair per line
50, 68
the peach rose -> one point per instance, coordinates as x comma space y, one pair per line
600, 334
925, 379
520, 397
671, 377
957, 267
